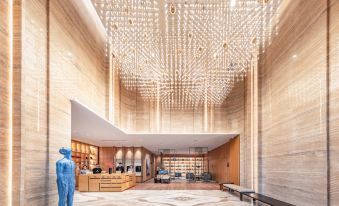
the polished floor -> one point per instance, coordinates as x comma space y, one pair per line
177, 193
159, 198
176, 186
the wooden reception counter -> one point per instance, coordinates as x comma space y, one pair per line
106, 182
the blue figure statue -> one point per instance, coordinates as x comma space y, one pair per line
65, 177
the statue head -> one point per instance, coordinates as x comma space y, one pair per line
67, 152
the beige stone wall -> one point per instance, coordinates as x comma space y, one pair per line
58, 59
4, 100
135, 115
61, 60
293, 117
334, 101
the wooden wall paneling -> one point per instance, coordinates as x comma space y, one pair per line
114, 150
108, 155
234, 160
106, 158
17, 76
224, 162
225, 168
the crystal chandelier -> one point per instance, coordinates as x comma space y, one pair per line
186, 53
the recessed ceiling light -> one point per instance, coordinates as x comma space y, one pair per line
294, 56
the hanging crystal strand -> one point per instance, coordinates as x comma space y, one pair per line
189, 58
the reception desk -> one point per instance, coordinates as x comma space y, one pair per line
106, 182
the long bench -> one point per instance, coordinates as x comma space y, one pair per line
267, 200
222, 185
239, 189
255, 196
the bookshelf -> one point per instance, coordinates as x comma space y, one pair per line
183, 164
84, 154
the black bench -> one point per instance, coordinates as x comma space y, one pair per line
267, 200
222, 185
236, 188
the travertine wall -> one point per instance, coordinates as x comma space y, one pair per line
293, 107
128, 102
4, 100
291, 157
59, 59
333, 37
134, 115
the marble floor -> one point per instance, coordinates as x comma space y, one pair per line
177, 186
159, 198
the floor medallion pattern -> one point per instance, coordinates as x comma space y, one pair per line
158, 198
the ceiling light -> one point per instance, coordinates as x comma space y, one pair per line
195, 50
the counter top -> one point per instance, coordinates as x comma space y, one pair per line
109, 175
114, 182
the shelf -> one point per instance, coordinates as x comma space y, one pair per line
84, 154
196, 165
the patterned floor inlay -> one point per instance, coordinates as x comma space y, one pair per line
158, 198
177, 186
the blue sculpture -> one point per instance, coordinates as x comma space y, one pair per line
65, 177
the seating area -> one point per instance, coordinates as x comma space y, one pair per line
250, 193
267, 200
162, 177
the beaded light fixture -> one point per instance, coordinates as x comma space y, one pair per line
186, 53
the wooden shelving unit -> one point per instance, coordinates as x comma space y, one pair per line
84, 154
183, 165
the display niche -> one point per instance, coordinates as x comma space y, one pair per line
84, 155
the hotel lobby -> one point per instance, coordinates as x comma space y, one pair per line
169, 102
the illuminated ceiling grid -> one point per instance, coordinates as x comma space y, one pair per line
186, 53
